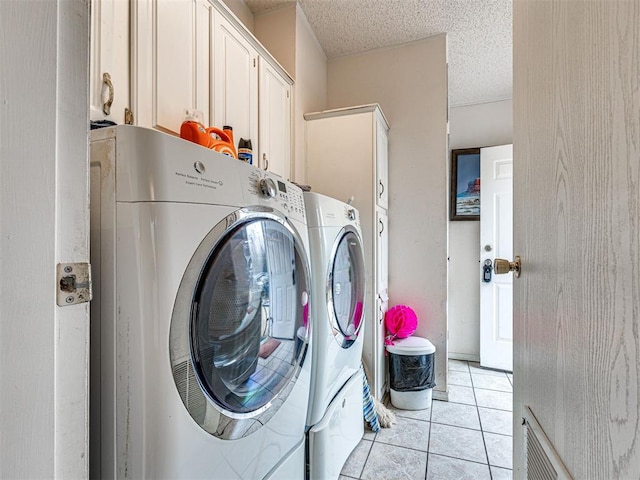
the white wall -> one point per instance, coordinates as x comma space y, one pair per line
480, 125
287, 35
410, 84
276, 30
310, 89
240, 10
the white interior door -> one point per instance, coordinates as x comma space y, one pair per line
496, 241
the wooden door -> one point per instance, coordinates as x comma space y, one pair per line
577, 229
496, 241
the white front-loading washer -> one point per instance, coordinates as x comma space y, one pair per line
335, 418
200, 354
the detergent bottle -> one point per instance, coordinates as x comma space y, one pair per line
220, 142
228, 129
193, 130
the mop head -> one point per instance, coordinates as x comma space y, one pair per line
386, 417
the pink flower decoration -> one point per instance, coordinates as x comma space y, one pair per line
401, 321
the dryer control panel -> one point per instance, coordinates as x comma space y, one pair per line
268, 189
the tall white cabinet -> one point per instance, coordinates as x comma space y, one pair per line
347, 155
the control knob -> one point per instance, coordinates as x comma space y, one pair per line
267, 187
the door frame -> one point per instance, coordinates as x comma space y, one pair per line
44, 207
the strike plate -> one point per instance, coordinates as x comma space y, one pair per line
73, 283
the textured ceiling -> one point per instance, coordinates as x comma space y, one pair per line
479, 36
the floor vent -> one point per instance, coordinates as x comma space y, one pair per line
542, 460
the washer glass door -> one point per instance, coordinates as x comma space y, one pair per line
345, 291
247, 327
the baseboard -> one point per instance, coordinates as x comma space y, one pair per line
440, 395
467, 357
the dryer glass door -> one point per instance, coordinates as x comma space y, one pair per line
346, 289
247, 329
248, 324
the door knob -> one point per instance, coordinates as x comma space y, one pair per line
501, 266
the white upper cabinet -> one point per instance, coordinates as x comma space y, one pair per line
173, 77
235, 82
171, 45
195, 54
109, 62
274, 152
204, 19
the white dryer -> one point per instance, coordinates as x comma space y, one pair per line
199, 328
335, 418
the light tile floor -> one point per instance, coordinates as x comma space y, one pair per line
468, 437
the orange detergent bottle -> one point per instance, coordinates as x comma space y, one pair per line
220, 142
193, 130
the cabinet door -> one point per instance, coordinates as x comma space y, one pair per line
173, 51
171, 61
382, 169
110, 55
275, 122
380, 364
235, 82
203, 33
382, 250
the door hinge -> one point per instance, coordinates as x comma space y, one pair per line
128, 117
73, 283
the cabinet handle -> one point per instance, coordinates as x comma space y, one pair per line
265, 162
381, 188
381, 227
106, 106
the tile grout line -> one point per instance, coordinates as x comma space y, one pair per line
484, 443
368, 454
461, 459
426, 472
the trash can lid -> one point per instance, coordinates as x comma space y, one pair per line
411, 346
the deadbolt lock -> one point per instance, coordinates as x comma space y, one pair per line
501, 266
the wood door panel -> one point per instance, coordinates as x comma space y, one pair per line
577, 228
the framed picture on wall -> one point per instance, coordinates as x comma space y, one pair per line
465, 184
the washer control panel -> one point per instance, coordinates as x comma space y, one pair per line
270, 190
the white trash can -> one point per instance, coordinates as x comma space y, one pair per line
411, 373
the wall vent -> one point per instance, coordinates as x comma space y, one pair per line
542, 460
